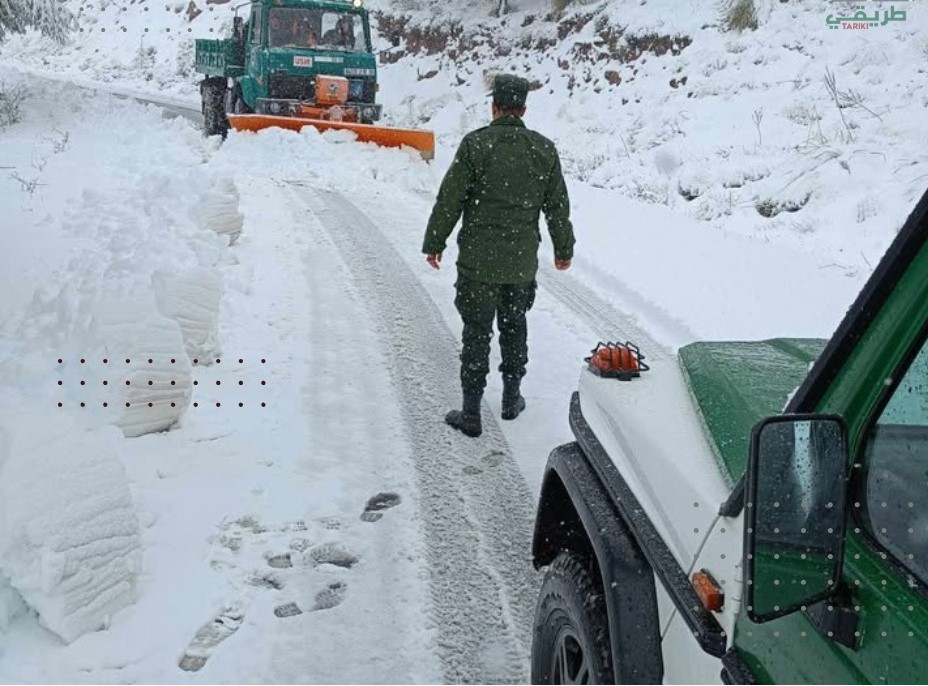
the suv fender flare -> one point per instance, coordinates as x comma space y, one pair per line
576, 513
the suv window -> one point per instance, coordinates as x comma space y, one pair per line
896, 460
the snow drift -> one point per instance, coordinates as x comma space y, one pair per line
150, 375
219, 210
69, 535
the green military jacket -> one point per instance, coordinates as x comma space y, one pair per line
503, 176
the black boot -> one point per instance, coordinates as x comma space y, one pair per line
513, 402
467, 420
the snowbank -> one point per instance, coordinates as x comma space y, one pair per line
191, 298
150, 375
69, 536
112, 278
219, 210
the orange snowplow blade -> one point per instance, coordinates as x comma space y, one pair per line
423, 141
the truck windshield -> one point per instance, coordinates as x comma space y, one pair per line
300, 27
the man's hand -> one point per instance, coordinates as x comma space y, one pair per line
561, 265
434, 260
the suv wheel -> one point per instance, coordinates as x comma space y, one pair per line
571, 637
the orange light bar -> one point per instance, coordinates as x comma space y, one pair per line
711, 596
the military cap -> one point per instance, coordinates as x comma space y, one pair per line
510, 91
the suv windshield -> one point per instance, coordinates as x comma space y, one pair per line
299, 27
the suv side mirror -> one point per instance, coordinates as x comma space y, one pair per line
795, 513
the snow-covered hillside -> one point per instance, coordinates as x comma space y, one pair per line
729, 133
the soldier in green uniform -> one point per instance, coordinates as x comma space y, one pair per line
502, 177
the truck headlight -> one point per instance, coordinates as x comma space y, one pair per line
274, 107
368, 113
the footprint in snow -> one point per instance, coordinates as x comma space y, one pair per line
373, 511
488, 461
330, 523
269, 580
208, 637
287, 610
330, 596
333, 554
281, 561
300, 545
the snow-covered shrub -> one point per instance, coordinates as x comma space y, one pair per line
716, 203
735, 47
692, 184
740, 15
185, 57
51, 17
144, 60
803, 113
651, 191
69, 535
770, 207
11, 103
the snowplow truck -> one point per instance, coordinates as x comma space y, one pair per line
296, 63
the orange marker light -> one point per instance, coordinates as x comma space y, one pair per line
711, 596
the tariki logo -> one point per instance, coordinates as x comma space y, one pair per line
862, 18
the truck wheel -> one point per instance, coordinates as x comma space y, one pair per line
213, 92
571, 637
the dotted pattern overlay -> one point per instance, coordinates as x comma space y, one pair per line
114, 15
116, 379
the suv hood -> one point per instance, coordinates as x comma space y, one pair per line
737, 384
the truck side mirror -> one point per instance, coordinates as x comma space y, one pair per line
238, 28
795, 513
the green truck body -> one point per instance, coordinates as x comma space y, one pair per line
217, 57
271, 62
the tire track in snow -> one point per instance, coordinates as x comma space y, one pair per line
600, 316
477, 526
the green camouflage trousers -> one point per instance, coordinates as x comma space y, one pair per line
479, 304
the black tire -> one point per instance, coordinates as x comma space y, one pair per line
571, 636
213, 91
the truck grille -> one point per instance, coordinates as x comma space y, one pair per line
289, 87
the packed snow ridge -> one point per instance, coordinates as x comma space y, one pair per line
136, 297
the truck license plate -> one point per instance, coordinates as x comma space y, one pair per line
299, 61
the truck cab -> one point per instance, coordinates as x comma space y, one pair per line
308, 58
749, 512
